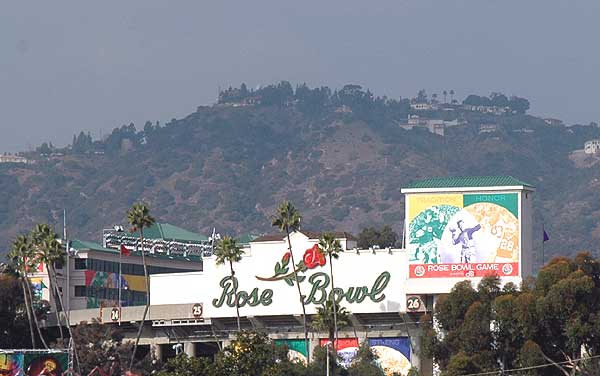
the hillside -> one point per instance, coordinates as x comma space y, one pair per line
340, 157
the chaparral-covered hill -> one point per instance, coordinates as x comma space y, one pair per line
341, 157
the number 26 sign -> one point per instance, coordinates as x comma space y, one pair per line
414, 303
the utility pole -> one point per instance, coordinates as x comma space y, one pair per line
68, 287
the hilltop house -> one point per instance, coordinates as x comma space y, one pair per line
436, 126
423, 106
592, 147
488, 128
6, 158
495, 110
553, 122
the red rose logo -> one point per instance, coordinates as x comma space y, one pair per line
313, 257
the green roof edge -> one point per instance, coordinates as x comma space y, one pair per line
467, 181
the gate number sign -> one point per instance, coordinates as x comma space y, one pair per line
115, 314
197, 310
414, 304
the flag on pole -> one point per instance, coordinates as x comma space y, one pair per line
546, 237
125, 251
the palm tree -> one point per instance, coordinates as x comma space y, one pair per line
324, 319
19, 254
451, 95
229, 252
287, 219
48, 251
445, 93
139, 218
332, 248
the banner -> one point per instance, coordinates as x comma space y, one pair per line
37, 287
97, 281
393, 354
33, 363
296, 349
11, 365
346, 348
53, 364
463, 235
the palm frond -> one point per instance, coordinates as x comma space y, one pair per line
228, 250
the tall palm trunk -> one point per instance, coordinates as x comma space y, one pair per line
141, 327
66, 315
54, 297
287, 231
335, 328
235, 296
35, 319
28, 309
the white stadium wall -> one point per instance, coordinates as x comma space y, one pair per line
365, 282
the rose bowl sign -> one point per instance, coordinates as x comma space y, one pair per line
265, 281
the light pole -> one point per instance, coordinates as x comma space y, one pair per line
328, 349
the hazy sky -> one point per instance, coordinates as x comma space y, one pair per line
67, 66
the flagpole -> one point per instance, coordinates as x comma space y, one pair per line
543, 243
120, 259
68, 287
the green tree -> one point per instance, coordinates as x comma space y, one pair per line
287, 220
324, 319
101, 347
48, 251
23, 259
332, 248
139, 218
461, 364
12, 318
228, 251
372, 236
21, 251
550, 320
519, 105
183, 365
250, 354
364, 364
319, 364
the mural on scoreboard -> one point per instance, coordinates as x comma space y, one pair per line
463, 235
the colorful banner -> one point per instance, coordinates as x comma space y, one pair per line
37, 287
54, 364
347, 348
107, 280
11, 365
33, 363
296, 349
463, 235
393, 354
111, 280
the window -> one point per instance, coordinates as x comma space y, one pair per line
80, 264
80, 290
